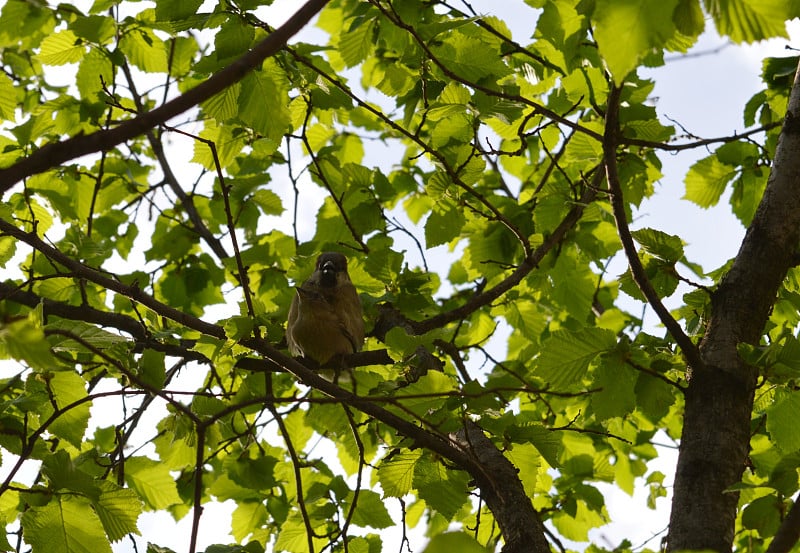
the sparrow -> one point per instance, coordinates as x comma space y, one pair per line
325, 318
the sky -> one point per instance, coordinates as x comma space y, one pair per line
705, 93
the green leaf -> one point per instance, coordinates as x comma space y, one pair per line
67, 524
167, 10
357, 43
782, 424
153, 548
223, 105
626, 30
528, 461
660, 244
616, 382
751, 20
68, 388
152, 368
706, 181
254, 474
118, 509
689, 18
268, 201
778, 73
145, 50
442, 489
228, 146
450, 542
426, 388
247, 518
61, 48
547, 442
152, 482
396, 473
654, 397
371, 512
94, 71
62, 473
764, 515
238, 327
471, 57
566, 356
8, 98
574, 286
293, 536
24, 340
233, 38
264, 101
91, 334
443, 225
8, 246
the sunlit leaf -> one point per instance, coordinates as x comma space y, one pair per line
566, 356
396, 473
780, 422
61, 48
151, 481
454, 541
706, 181
67, 524
751, 20
627, 29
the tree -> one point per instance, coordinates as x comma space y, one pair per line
133, 268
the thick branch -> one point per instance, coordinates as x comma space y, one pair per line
93, 275
719, 399
89, 314
461, 456
420, 436
57, 153
522, 528
610, 143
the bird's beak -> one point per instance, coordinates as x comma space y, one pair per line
328, 268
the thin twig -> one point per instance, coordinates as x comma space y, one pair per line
298, 477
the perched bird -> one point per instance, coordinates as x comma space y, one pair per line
325, 318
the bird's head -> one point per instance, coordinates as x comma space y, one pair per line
332, 267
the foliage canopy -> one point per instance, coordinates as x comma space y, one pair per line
158, 209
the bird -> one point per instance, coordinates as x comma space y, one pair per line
325, 318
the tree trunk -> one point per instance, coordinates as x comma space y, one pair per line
719, 399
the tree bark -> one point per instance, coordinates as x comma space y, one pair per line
719, 399
501, 489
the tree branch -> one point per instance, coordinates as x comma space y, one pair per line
93, 275
610, 143
697, 143
719, 400
88, 314
57, 153
521, 525
448, 449
488, 296
169, 176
